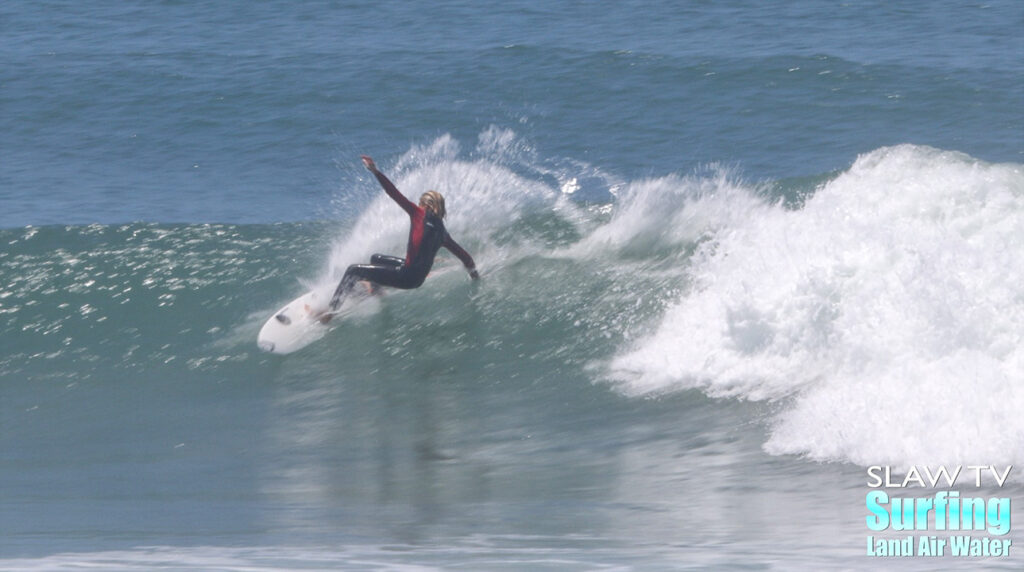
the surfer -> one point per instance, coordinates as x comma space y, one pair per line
426, 236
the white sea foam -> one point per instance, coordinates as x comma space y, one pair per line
886, 314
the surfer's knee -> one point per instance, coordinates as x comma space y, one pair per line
418, 281
353, 273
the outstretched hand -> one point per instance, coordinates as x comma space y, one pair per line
369, 163
474, 274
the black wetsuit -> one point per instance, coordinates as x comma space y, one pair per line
426, 236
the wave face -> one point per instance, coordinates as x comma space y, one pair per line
83, 302
879, 310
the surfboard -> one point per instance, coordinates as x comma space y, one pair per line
300, 322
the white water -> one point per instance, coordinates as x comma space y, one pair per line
886, 315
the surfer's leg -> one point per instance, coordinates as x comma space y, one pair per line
378, 274
385, 260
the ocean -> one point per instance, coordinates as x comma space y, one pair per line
736, 259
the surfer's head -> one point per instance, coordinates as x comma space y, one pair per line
433, 202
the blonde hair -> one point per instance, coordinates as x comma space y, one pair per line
433, 202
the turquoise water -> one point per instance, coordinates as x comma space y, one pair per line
732, 255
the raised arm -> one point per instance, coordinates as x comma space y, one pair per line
390, 187
462, 255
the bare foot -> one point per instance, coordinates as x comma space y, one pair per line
323, 317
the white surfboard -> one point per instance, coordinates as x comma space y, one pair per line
300, 322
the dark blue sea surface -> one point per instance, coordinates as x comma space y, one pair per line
256, 112
733, 253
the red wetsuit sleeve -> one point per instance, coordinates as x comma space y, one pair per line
458, 251
395, 194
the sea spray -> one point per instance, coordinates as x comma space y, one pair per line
488, 194
665, 217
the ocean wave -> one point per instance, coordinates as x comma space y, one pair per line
882, 311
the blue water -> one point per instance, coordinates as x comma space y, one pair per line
733, 254
191, 112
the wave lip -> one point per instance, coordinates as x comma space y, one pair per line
887, 314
